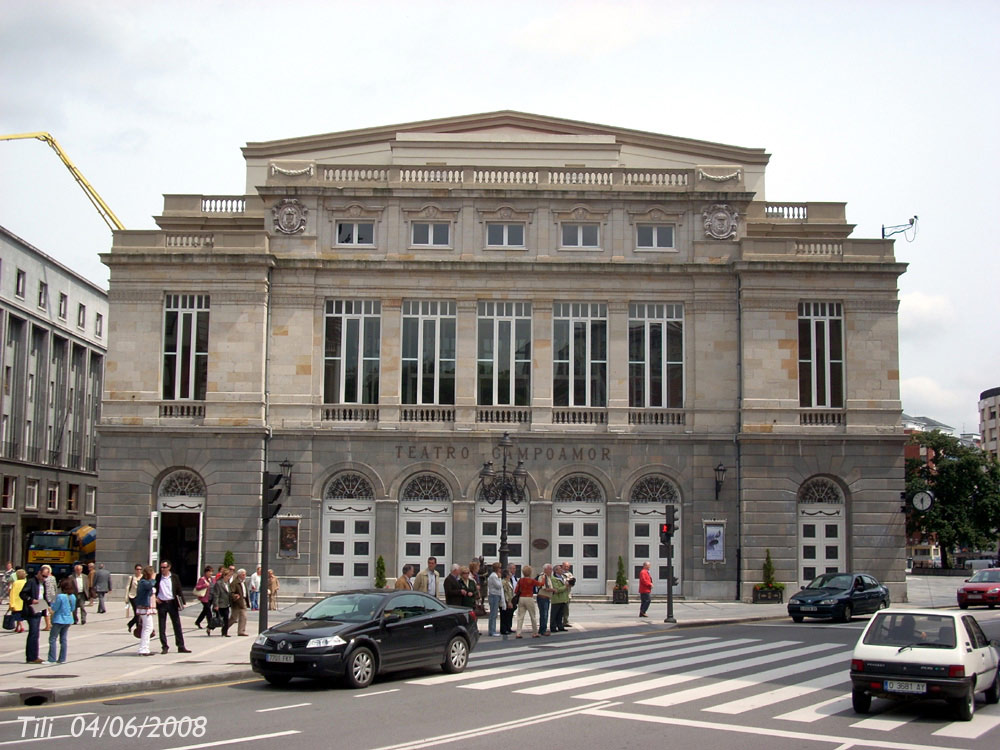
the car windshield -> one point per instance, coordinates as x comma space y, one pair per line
911, 629
986, 576
840, 581
346, 608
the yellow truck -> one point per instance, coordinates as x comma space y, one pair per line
61, 550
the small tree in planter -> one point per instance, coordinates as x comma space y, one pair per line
380, 573
620, 593
769, 590
228, 560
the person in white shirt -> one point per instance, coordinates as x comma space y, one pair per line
255, 590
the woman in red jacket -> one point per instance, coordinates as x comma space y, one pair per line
645, 589
525, 593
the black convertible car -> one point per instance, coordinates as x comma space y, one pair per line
358, 634
839, 596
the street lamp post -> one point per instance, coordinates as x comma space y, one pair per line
507, 486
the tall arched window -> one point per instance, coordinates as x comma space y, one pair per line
348, 532
425, 517
648, 500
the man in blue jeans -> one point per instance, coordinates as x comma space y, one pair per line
544, 596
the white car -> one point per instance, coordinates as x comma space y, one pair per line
916, 653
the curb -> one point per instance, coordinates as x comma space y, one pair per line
42, 696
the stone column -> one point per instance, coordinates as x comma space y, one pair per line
465, 364
617, 367
389, 364
541, 366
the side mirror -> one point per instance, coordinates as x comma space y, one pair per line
298, 615
391, 617
802, 588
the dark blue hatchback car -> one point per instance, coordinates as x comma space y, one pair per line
838, 596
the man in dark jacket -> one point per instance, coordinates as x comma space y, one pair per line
33, 597
453, 587
169, 601
102, 586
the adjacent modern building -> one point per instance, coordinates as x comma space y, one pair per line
53, 328
380, 306
989, 425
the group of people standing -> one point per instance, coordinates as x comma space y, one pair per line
39, 599
226, 596
543, 598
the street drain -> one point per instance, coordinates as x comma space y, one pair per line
126, 701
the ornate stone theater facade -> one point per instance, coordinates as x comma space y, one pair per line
381, 305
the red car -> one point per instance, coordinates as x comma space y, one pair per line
982, 588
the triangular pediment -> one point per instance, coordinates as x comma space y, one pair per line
502, 125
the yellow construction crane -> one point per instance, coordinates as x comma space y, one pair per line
102, 208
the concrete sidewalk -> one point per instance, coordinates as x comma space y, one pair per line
103, 657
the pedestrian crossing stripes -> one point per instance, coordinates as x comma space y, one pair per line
783, 680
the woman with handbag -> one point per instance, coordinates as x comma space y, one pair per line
16, 603
525, 596
203, 593
49, 582
221, 600
145, 608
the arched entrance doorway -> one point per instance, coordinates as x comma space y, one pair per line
177, 523
348, 519
647, 505
425, 518
578, 531
822, 526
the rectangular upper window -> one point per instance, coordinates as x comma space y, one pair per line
355, 233
20, 281
654, 237
655, 355
99, 325
431, 235
185, 346
503, 353
580, 354
63, 305
31, 494
580, 235
504, 235
428, 355
351, 351
81, 316
7, 499
43, 295
821, 355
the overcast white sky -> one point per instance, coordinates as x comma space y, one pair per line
889, 106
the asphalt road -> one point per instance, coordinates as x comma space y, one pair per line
762, 686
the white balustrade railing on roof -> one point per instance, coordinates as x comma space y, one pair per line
658, 178
424, 175
223, 204
355, 174
189, 240
505, 177
793, 211
819, 247
580, 177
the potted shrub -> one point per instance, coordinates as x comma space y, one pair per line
619, 594
380, 573
769, 590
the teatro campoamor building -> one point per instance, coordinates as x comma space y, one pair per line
380, 306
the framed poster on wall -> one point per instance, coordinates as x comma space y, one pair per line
288, 537
715, 542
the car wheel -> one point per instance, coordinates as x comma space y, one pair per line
797, 618
847, 614
993, 693
861, 701
966, 706
963, 606
884, 604
277, 679
456, 656
360, 668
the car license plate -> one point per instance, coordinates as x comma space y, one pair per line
807, 608
975, 596
280, 658
896, 686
